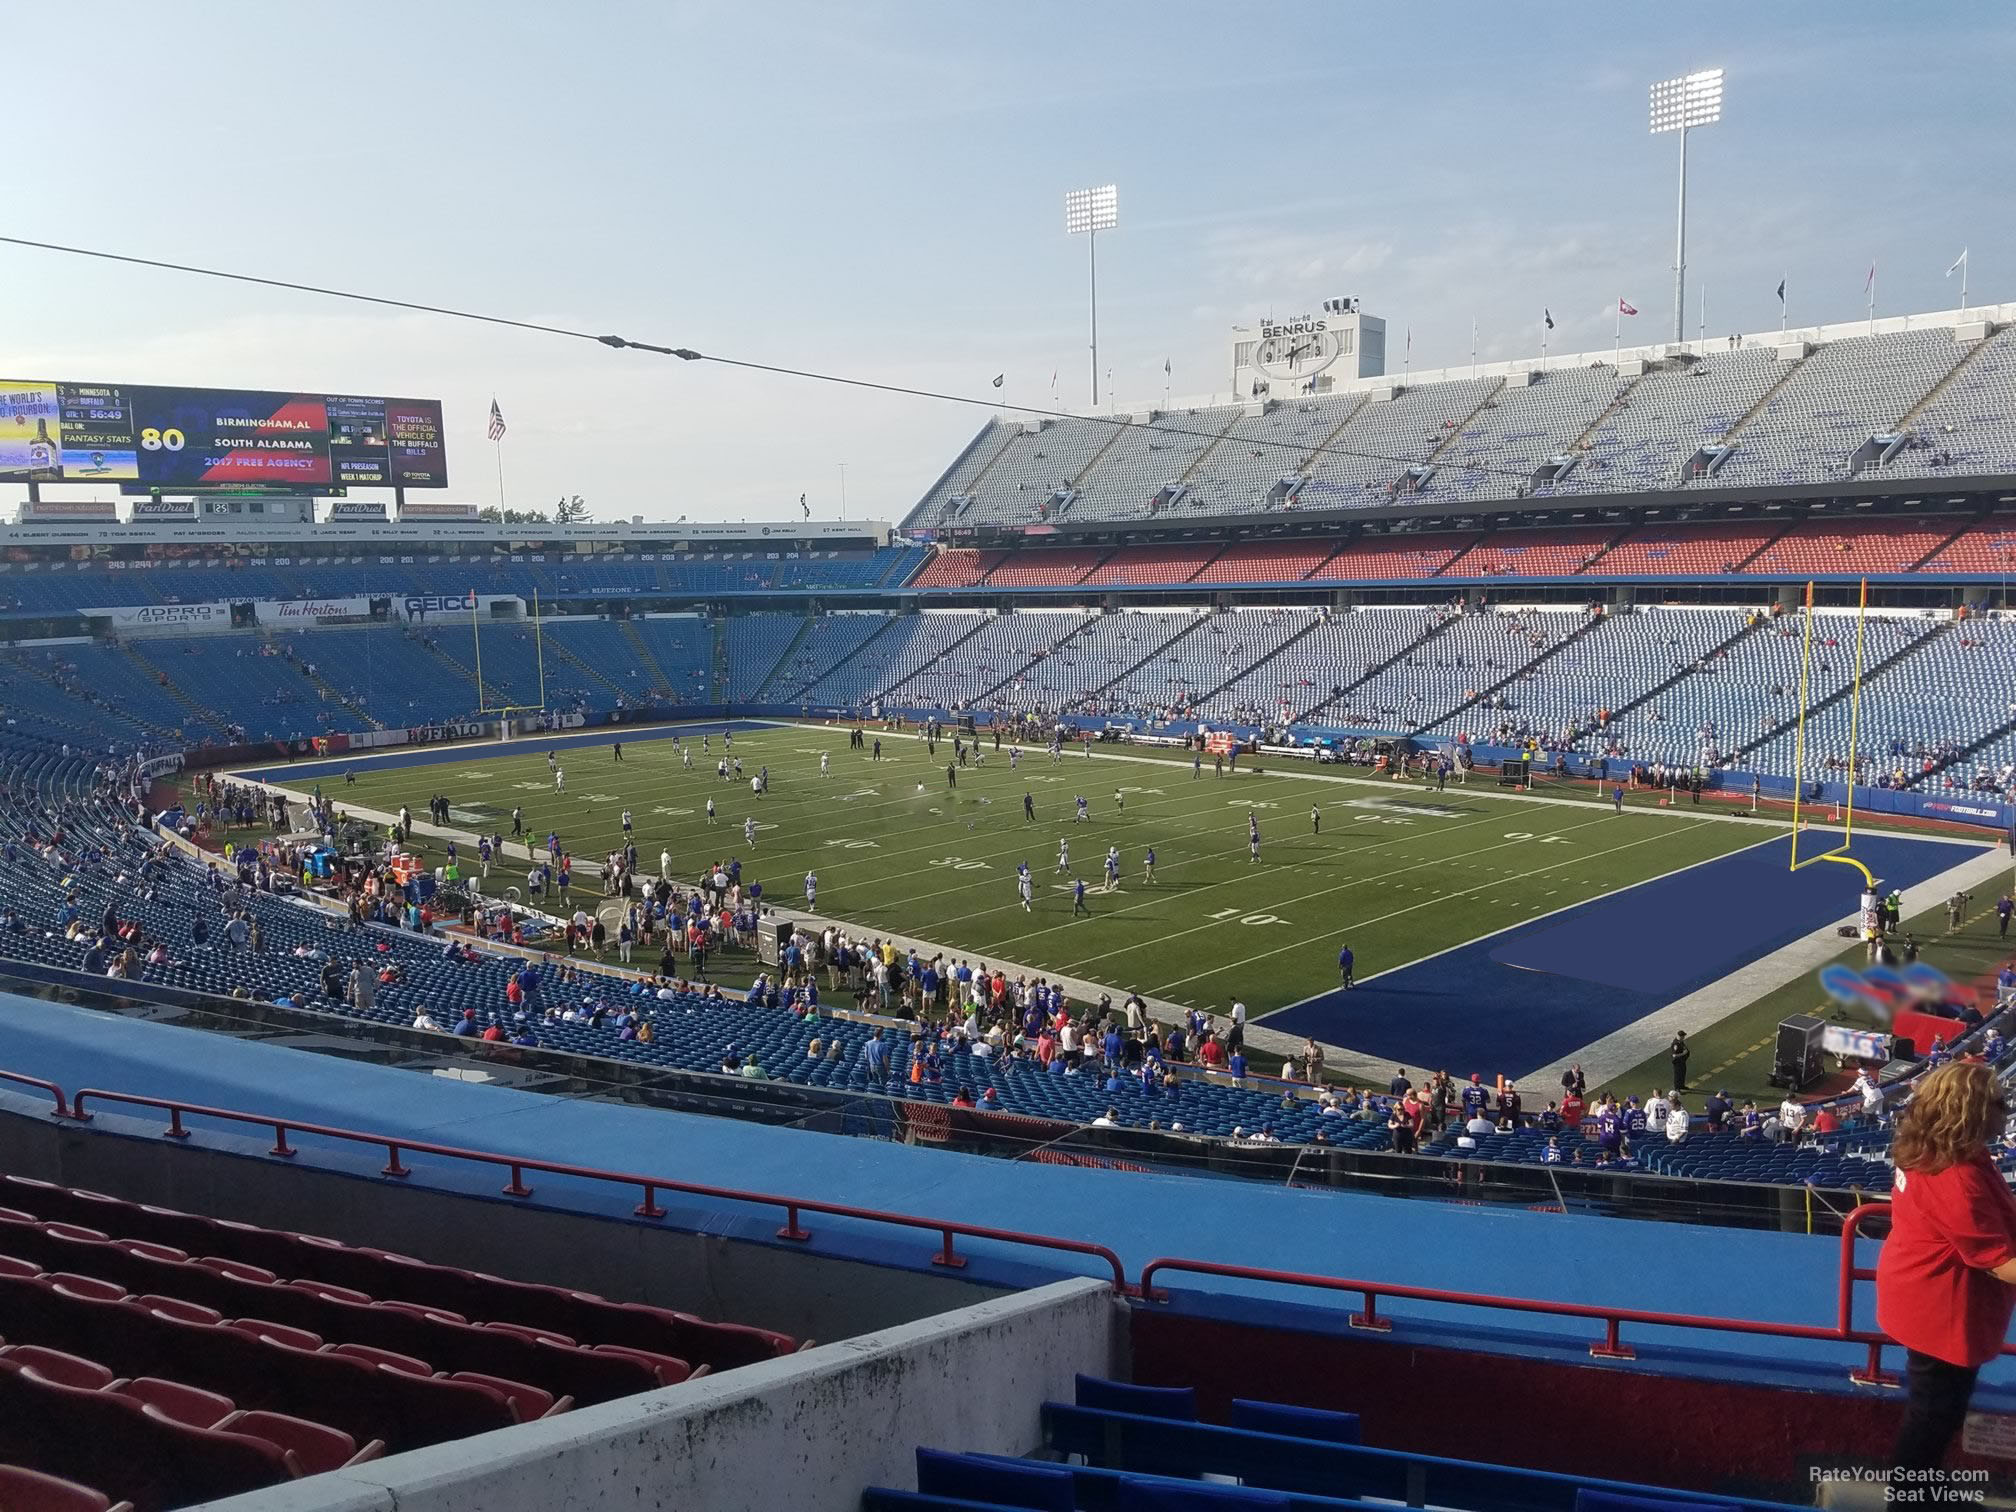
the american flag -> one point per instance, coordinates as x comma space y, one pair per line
496, 422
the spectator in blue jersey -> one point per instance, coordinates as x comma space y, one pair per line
1399, 1086
1634, 1119
875, 1058
1475, 1098
1609, 1127
1345, 962
1236, 1064
1552, 1154
1550, 1122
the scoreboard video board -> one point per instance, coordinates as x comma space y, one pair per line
144, 437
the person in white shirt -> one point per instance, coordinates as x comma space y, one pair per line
1110, 1119
1478, 1127
424, 1020
665, 863
1678, 1121
1870, 1092
1791, 1118
1656, 1109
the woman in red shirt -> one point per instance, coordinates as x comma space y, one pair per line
1946, 1280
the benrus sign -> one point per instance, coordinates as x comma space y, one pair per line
1301, 325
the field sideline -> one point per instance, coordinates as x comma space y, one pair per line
1400, 875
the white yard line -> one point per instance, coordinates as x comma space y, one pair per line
1601, 1060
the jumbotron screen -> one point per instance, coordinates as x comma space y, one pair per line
171, 438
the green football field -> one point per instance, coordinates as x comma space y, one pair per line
1397, 872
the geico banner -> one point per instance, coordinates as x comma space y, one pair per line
168, 617
426, 606
311, 611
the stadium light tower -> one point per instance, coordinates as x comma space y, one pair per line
1681, 105
1091, 211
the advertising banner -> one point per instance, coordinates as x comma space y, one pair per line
147, 617
54, 432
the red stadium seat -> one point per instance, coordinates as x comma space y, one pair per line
1395, 556
149, 1250
104, 1439
1052, 568
315, 1446
175, 1307
1854, 546
185, 1404
530, 1335
386, 1358
669, 1369
1151, 564
32, 1491
330, 1293
10, 1266
68, 1369
86, 1286
238, 1271
531, 1401
298, 1338
1285, 561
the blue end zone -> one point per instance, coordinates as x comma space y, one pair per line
322, 767
1541, 991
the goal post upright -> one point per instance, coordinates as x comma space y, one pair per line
1839, 854
476, 637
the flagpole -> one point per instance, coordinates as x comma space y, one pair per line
1872, 299
1617, 333
1781, 306
1704, 315
500, 472
1473, 346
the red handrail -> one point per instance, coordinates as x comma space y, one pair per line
62, 1105
947, 1230
1872, 1374
1611, 1347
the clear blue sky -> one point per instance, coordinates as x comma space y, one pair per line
875, 188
